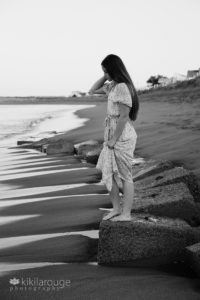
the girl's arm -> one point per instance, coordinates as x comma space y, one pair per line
97, 87
124, 117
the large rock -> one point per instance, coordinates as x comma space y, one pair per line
144, 242
25, 145
82, 148
193, 257
22, 142
149, 167
37, 145
60, 147
174, 201
44, 148
171, 176
89, 150
41, 142
92, 155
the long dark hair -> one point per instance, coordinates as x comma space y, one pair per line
117, 71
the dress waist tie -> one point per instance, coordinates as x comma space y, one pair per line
107, 122
109, 117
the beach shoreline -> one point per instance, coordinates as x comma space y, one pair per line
165, 130
59, 204
167, 123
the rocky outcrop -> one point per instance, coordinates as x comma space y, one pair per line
32, 144
174, 201
92, 155
81, 148
60, 147
165, 218
145, 240
22, 142
165, 212
150, 167
44, 148
171, 176
89, 150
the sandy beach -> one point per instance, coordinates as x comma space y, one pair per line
51, 208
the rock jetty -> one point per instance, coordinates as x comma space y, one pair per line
165, 225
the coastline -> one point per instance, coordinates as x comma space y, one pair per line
168, 122
65, 208
39, 121
166, 131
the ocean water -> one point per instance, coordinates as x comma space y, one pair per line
36, 121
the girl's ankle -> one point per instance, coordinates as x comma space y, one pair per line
117, 209
126, 214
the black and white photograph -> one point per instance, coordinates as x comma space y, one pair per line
99, 149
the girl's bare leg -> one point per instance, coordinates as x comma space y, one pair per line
115, 199
128, 189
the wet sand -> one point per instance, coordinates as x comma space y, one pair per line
167, 126
51, 208
166, 130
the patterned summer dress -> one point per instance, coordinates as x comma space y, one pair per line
117, 161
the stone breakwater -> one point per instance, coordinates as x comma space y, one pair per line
165, 225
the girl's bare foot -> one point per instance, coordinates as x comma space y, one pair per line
122, 218
112, 214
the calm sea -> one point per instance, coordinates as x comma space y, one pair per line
36, 121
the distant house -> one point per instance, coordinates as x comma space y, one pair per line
176, 78
93, 95
193, 73
179, 77
163, 80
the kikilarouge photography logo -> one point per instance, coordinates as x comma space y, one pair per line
37, 284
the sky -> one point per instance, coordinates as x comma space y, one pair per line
54, 47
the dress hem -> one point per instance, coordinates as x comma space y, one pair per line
111, 176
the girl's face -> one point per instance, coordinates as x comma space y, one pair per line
106, 74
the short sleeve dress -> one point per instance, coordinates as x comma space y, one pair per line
117, 161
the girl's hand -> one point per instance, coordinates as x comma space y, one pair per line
110, 144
